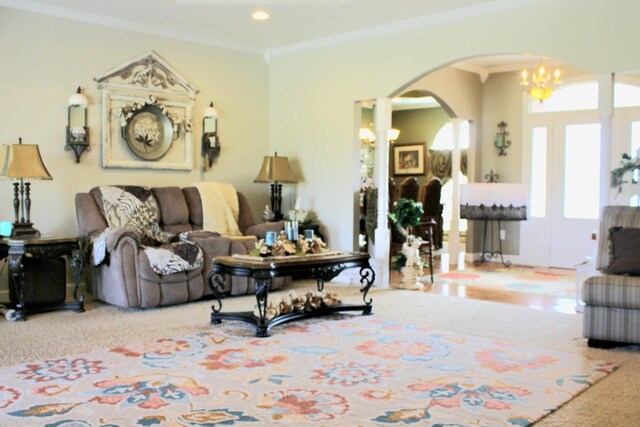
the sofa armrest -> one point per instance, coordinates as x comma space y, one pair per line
117, 235
259, 230
212, 245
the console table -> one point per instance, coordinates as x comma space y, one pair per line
262, 270
45, 248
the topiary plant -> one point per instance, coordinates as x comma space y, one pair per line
407, 213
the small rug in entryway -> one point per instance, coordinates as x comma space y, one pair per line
552, 282
330, 371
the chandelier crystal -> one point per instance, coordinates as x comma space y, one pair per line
541, 82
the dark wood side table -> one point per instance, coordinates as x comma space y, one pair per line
44, 248
262, 270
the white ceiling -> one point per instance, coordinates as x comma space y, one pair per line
294, 24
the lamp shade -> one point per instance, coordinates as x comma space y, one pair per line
78, 99
22, 161
393, 134
275, 169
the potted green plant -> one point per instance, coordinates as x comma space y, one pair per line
627, 164
407, 214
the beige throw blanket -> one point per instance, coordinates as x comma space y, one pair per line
220, 208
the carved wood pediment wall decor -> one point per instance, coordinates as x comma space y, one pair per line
147, 115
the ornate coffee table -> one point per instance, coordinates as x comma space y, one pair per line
321, 267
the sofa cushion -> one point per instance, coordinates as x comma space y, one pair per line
624, 255
192, 197
612, 290
172, 205
614, 216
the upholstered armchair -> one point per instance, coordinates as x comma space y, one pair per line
612, 295
125, 275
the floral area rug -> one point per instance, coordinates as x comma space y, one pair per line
552, 282
331, 371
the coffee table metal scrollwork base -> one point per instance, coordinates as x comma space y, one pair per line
262, 270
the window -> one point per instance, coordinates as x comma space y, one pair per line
538, 203
626, 95
582, 171
444, 141
444, 137
576, 97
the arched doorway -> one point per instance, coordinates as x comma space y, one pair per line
488, 98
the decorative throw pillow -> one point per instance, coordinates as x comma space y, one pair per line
624, 251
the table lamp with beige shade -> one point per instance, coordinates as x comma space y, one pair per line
21, 162
276, 170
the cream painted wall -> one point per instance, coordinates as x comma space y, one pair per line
46, 58
301, 106
312, 92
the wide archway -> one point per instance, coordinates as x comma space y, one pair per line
485, 91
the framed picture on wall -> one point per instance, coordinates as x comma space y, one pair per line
408, 159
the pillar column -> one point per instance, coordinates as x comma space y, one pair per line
382, 120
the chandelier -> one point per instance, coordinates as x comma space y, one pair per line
541, 82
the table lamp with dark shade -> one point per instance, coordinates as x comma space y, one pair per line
21, 162
276, 170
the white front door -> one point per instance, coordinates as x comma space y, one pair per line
564, 189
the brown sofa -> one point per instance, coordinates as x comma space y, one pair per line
126, 279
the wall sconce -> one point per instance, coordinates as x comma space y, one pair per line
392, 135
210, 142
20, 162
501, 142
369, 138
77, 130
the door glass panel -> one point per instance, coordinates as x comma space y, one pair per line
582, 171
538, 205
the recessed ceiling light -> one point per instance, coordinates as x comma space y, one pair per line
260, 15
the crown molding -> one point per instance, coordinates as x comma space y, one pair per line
268, 54
264, 2
122, 24
482, 72
423, 21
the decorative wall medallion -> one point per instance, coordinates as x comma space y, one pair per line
149, 133
147, 116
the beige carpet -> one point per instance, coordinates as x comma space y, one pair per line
612, 401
